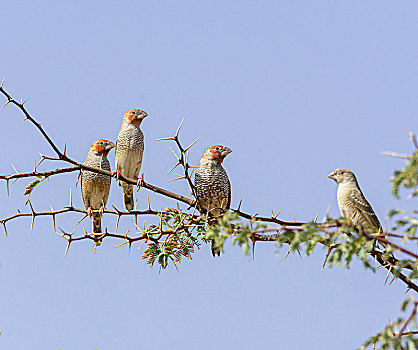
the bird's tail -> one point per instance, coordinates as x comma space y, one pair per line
97, 226
215, 251
128, 196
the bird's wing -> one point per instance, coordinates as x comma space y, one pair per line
229, 196
84, 185
116, 156
200, 192
364, 208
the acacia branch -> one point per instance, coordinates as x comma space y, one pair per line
406, 333
258, 235
394, 245
79, 210
272, 219
181, 160
378, 256
39, 173
148, 186
21, 106
394, 235
412, 138
411, 316
396, 155
336, 223
63, 157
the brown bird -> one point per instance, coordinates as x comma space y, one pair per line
95, 187
129, 151
352, 203
213, 189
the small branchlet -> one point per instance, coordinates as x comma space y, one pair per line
182, 159
395, 335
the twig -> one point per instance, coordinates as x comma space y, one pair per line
39, 173
21, 106
411, 316
396, 155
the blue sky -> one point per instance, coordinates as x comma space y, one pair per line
294, 88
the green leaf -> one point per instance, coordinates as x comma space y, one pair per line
32, 185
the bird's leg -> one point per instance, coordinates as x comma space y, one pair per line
90, 212
140, 182
101, 210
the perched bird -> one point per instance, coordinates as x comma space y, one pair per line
213, 189
129, 151
95, 187
352, 203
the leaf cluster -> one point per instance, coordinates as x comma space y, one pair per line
230, 226
407, 177
389, 337
179, 241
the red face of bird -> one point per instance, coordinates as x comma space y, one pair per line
217, 153
135, 116
102, 147
342, 176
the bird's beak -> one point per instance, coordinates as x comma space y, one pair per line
332, 176
109, 146
225, 151
142, 115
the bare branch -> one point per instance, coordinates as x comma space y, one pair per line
39, 173
182, 159
412, 138
28, 116
396, 155
411, 316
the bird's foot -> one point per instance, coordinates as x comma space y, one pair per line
140, 182
116, 174
90, 212
101, 210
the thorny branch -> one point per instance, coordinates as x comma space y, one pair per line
408, 320
21, 106
396, 155
412, 138
63, 157
258, 235
182, 159
39, 173
53, 213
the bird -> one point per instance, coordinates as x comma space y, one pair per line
353, 204
95, 187
213, 189
129, 151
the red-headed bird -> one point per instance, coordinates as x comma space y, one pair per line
95, 187
213, 189
129, 151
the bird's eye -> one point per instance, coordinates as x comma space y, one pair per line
217, 148
340, 172
102, 143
